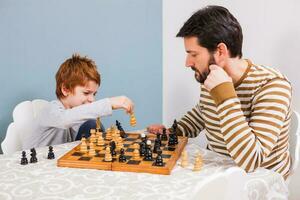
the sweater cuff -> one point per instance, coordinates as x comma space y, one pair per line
222, 92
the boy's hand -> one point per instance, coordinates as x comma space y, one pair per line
155, 128
216, 76
122, 102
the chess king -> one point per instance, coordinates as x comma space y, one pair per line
77, 82
245, 108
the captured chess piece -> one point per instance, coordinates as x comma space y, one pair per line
132, 120
50, 153
159, 160
122, 157
33, 158
184, 159
24, 160
198, 162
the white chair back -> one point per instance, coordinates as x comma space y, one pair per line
294, 140
229, 185
24, 116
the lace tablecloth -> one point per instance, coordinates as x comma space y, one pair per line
45, 181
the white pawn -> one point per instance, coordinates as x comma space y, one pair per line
92, 151
184, 159
100, 141
136, 152
107, 156
198, 162
83, 146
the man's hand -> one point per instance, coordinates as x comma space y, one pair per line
122, 102
216, 76
155, 128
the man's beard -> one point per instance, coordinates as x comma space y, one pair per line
201, 77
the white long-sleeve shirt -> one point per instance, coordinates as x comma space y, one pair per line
57, 125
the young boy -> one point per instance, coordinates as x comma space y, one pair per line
77, 82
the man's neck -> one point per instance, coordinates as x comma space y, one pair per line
236, 68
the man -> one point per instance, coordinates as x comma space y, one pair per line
245, 108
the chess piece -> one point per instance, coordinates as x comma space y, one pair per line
148, 154
164, 136
98, 125
108, 135
100, 140
174, 131
92, 151
120, 128
93, 136
171, 141
107, 156
33, 158
184, 159
144, 138
119, 143
136, 153
159, 159
113, 148
24, 160
132, 120
83, 146
156, 146
198, 162
50, 153
122, 157
158, 137
142, 148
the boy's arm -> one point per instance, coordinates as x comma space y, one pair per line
250, 142
57, 116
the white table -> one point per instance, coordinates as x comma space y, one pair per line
44, 180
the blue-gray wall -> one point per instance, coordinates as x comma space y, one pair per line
124, 37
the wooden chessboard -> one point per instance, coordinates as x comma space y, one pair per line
76, 159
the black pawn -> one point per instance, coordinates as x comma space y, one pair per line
171, 141
164, 136
33, 158
113, 148
159, 160
142, 148
122, 157
148, 154
24, 160
156, 146
50, 153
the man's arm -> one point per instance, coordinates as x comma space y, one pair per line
250, 142
192, 123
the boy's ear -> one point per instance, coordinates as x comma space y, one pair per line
65, 91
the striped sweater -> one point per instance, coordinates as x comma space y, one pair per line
248, 121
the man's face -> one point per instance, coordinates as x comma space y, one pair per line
198, 58
81, 94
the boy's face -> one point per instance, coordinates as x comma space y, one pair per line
81, 95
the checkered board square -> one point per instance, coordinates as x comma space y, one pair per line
170, 154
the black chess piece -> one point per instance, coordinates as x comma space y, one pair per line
156, 146
159, 160
144, 138
142, 148
148, 154
158, 137
175, 138
33, 158
164, 136
120, 128
24, 160
122, 157
174, 126
50, 153
113, 148
171, 141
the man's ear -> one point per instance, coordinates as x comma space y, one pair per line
64, 90
221, 54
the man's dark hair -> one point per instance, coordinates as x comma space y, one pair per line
213, 25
